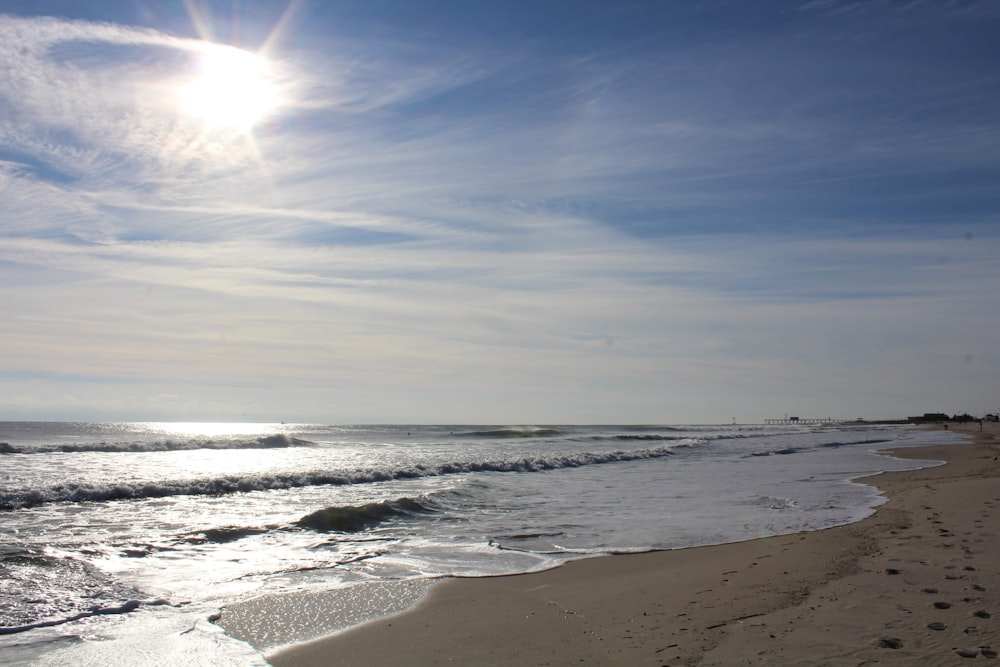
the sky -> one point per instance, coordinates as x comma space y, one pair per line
529, 212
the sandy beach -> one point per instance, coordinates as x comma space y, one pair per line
917, 583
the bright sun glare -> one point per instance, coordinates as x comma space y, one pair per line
231, 89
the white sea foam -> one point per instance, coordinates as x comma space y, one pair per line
229, 484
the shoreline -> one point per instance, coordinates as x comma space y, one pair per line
845, 595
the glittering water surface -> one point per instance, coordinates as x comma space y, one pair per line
118, 542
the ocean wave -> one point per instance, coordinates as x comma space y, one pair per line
530, 536
834, 445
124, 608
277, 441
43, 590
640, 437
335, 519
828, 445
354, 518
661, 437
225, 534
772, 502
512, 433
230, 484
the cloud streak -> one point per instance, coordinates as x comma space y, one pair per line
738, 226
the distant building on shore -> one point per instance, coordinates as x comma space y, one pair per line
929, 417
932, 417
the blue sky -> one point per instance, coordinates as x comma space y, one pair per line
513, 213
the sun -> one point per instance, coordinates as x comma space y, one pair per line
231, 89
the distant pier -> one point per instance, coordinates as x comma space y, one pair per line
802, 420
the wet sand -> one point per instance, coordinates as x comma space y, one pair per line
917, 583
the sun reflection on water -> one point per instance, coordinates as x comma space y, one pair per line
206, 429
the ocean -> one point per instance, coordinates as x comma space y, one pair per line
214, 544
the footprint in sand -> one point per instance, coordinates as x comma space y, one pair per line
890, 642
942, 605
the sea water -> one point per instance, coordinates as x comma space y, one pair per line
121, 542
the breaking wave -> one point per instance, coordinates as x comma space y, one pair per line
266, 442
229, 484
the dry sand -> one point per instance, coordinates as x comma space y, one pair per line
918, 583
